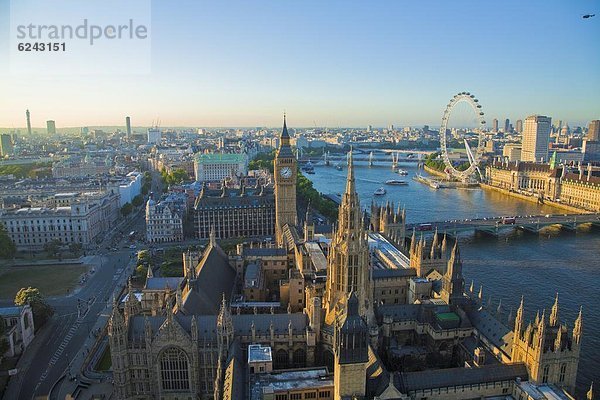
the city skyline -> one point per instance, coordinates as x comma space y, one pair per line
343, 65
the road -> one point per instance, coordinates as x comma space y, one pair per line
66, 332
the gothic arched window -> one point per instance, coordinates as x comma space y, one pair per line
281, 358
299, 357
174, 370
545, 373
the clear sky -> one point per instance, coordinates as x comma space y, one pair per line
332, 63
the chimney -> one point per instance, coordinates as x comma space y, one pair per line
589, 172
580, 172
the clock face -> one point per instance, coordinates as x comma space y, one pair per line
286, 172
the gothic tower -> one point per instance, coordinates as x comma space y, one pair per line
549, 350
351, 353
348, 258
286, 171
117, 339
453, 284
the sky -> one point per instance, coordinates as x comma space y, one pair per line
328, 64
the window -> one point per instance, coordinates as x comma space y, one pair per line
296, 396
174, 371
545, 374
563, 371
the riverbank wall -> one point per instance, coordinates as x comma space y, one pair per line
533, 199
435, 172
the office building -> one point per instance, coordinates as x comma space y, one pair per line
519, 127
154, 135
51, 127
506, 125
6, 145
594, 130
216, 167
536, 137
128, 126
494, 125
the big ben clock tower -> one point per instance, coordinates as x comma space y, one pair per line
285, 185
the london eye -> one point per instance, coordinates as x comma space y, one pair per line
473, 157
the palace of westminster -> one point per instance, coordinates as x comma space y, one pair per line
367, 311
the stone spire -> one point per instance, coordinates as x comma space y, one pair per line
444, 244
413, 242
558, 340
149, 273
434, 245
348, 258
480, 296
453, 284
350, 184
578, 328
471, 288
554, 313
224, 325
519, 317
590, 393
285, 136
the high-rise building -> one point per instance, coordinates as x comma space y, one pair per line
128, 126
51, 127
6, 145
507, 125
495, 125
154, 135
536, 136
594, 130
28, 122
519, 126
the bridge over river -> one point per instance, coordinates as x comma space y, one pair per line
495, 225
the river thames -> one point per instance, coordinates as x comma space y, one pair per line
512, 265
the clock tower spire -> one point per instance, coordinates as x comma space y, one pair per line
286, 172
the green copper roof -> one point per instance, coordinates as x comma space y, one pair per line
233, 158
447, 316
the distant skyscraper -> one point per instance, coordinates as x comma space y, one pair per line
495, 125
594, 130
6, 145
128, 125
51, 127
536, 136
507, 125
28, 122
519, 125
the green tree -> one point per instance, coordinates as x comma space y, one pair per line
3, 342
137, 200
7, 247
143, 257
75, 248
53, 247
126, 209
41, 310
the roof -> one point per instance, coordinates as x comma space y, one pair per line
487, 325
162, 283
393, 272
259, 353
214, 277
228, 158
10, 311
265, 252
432, 379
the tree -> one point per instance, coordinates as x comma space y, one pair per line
41, 310
75, 248
53, 247
126, 209
3, 342
7, 247
143, 257
137, 200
